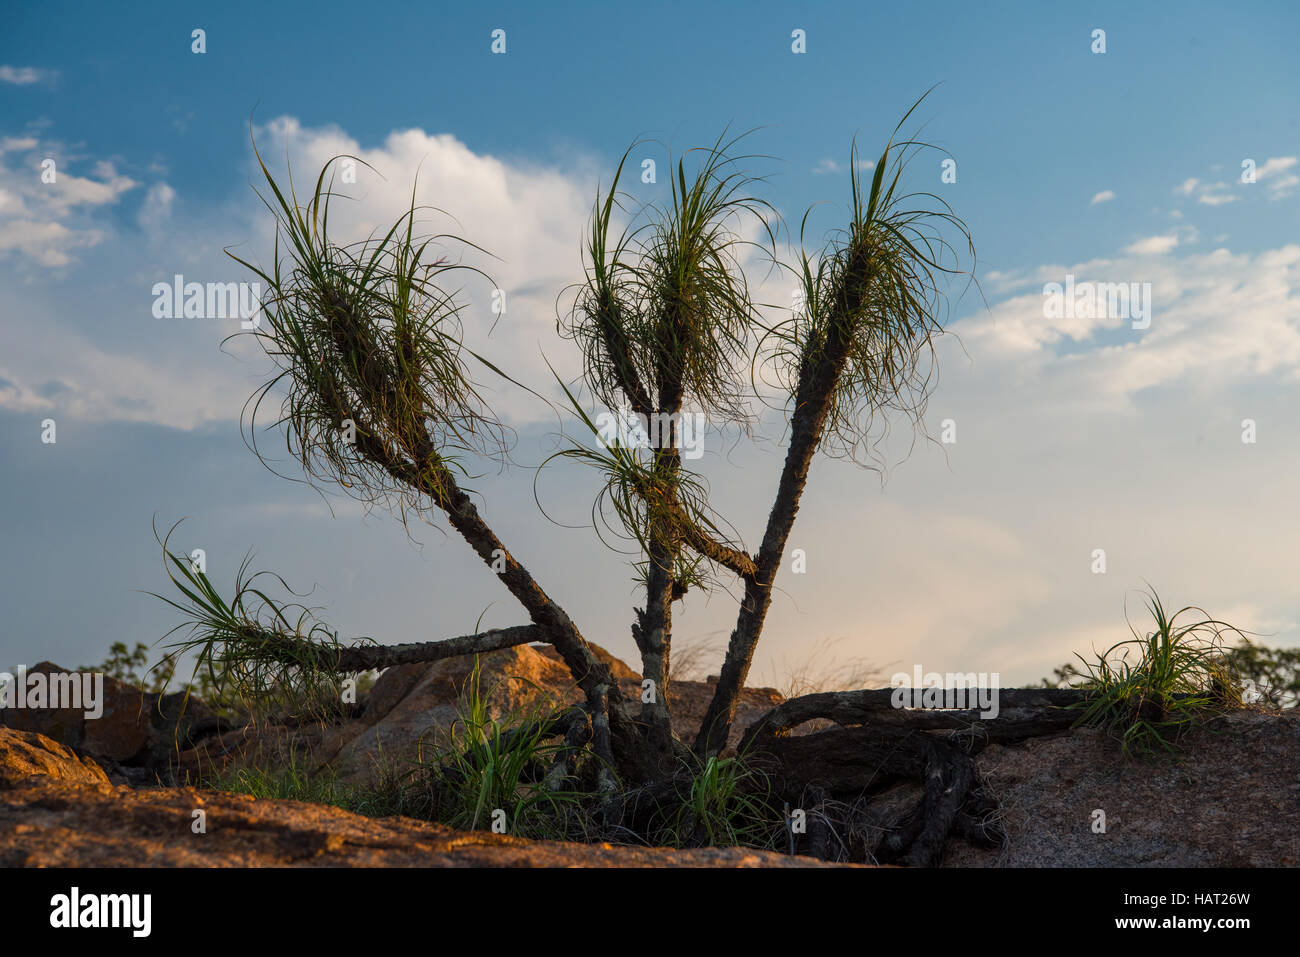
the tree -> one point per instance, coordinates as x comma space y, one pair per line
378, 394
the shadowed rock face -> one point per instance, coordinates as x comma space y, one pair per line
138, 735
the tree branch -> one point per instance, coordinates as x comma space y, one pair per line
350, 660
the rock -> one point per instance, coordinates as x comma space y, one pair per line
123, 731
64, 725
144, 738
1229, 798
25, 755
413, 708
618, 667
137, 738
690, 699
46, 824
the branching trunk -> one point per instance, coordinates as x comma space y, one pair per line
428, 474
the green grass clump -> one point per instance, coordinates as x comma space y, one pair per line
488, 764
724, 802
283, 782
1150, 689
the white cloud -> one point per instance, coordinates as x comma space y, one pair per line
831, 166
122, 366
25, 75
1152, 245
529, 217
1276, 172
49, 244
1280, 182
157, 209
1216, 318
47, 222
1274, 165
1105, 196
9, 144
1211, 197
1207, 194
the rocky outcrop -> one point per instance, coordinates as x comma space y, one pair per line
1229, 797
46, 824
26, 755
412, 710
137, 737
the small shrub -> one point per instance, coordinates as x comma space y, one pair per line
1149, 689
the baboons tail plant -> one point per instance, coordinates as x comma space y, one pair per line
376, 391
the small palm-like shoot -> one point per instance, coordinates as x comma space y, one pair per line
666, 305
255, 649
377, 395
873, 296
639, 498
1150, 689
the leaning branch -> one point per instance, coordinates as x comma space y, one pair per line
350, 660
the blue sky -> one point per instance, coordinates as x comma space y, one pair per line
1124, 166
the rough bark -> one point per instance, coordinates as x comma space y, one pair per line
878, 745
653, 633
350, 660
811, 407
601, 740
1027, 710
565, 765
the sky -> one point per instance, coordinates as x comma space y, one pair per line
1072, 433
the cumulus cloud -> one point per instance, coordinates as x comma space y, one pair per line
1214, 196
1105, 196
1277, 173
45, 206
46, 243
121, 366
1222, 317
528, 216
